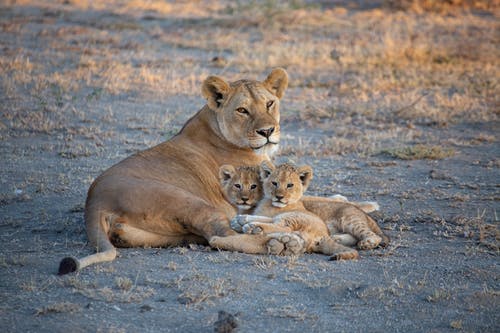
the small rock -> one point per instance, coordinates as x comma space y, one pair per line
146, 308
226, 323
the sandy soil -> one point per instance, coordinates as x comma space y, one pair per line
397, 107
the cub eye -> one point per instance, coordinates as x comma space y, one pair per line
274, 184
289, 185
242, 110
253, 186
269, 104
238, 186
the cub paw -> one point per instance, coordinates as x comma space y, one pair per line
339, 197
238, 222
251, 228
349, 254
369, 242
291, 244
344, 239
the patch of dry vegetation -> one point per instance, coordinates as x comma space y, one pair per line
63, 307
419, 152
442, 6
383, 68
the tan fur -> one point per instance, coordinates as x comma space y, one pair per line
242, 186
170, 194
344, 217
284, 210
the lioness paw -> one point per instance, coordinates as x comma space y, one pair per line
369, 243
251, 228
292, 244
238, 222
274, 246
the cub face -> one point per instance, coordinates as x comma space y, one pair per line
284, 184
247, 112
241, 186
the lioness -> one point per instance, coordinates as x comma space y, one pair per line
170, 194
281, 211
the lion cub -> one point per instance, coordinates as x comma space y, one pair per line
241, 186
281, 211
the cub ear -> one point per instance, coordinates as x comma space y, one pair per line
226, 172
266, 168
215, 90
277, 82
305, 175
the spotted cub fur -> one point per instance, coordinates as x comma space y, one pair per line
242, 186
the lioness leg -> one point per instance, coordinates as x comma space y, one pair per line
275, 243
239, 221
146, 213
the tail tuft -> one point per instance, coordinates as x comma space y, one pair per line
68, 265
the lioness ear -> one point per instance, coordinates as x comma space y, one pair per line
266, 168
214, 89
226, 172
277, 82
305, 174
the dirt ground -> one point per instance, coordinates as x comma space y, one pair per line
398, 104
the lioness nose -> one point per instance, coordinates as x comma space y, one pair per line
244, 199
266, 132
279, 197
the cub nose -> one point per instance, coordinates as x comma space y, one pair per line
279, 197
265, 132
244, 199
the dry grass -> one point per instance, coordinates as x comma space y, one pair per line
291, 312
382, 69
63, 307
446, 6
419, 152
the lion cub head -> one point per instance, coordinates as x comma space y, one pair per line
241, 186
247, 111
286, 183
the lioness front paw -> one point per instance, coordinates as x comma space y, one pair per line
215, 242
251, 228
369, 242
238, 222
345, 254
285, 244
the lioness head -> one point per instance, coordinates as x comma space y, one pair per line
241, 186
248, 111
284, 184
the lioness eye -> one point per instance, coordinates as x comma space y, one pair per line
237, 185
289, 185
269, 104
242, 110
275, 184
253, 186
